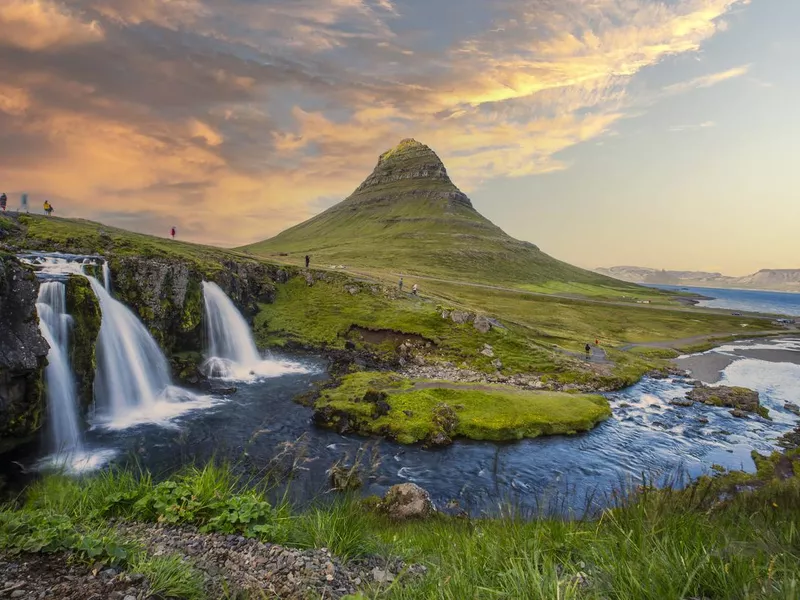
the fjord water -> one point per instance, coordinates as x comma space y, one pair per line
232, 353
764, 301
64, 427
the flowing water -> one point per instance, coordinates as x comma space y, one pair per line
63, 423
232, 353
260, 428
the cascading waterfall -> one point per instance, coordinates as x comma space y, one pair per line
62, 405
106, 277
232, 353
132, 372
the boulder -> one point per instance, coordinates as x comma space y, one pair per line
461, 317
685, 402
487, 351
482, 324
738, 398
407, 501
497, 364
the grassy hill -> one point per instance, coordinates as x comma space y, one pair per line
409, 216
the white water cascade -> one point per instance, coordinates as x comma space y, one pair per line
132, 372
232, 353
63, 426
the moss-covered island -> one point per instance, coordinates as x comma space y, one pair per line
435, 412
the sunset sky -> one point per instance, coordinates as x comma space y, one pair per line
641, 132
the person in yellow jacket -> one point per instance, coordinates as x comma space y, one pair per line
48, 208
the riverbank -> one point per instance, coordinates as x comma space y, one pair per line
204, 531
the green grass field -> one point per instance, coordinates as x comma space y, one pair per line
499, 413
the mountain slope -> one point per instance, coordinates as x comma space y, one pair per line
409, 216
787, 280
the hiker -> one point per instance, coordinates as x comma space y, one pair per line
597, 342
400, 284
48, 208
3, 202
308, 260
588, 350
172, 232
414, 289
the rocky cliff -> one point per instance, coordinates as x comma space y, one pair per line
23, 353
84, 308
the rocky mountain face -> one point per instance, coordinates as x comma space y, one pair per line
409, 216
787, 280
23, 353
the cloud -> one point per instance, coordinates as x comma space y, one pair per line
232, 118
707, 80
44, 24
704, 125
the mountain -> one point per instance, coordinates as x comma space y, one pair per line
408, 216
787, 280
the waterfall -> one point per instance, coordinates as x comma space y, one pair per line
106, 277
232, 353
132, 372
62, 404
230, 344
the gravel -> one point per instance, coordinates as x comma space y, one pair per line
238, 564
51, 576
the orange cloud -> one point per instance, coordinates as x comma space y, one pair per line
43, 24
232, 119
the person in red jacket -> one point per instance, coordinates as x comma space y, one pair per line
172, 232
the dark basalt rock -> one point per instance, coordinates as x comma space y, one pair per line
23, 354
739, 398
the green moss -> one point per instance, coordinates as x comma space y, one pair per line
489, 413
192, 313
82, 304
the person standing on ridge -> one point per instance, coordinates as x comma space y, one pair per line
588, 349
400, 284
308, 260
414, 289
172, 232
3, 202
48, 208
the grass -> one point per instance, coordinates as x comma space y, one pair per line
706, 541
490, 413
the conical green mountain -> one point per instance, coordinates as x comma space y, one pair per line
409, 217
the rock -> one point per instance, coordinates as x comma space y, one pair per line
482, 324
702, 420
407, 501
23, 353
351, 289
445, 314
461, 317
792, 408
685, 402
382, 408
738, 398
129, 598
739, 413
381, 576
487, 351
497, 364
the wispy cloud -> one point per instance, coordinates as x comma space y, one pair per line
250, 111
704, 125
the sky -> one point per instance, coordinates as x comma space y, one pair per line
608, 132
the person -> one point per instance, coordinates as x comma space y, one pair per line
48, 208
588, 349
172, 232
414, 289
3, 202
400, 284
597, 342
308, 260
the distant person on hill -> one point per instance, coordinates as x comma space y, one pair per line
3, 202
172, 232
588, 350
400, 284
414, 289
308, 260
597, 342
48, 208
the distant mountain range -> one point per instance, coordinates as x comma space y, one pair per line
785, 280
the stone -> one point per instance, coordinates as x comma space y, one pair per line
381, 576
792, 408
482, 324
702, 420
685, 402
351, 289
407, 501
460, 317
738, 398
488, 351
497, 364
739, 413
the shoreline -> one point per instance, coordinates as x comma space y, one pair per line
708, 366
